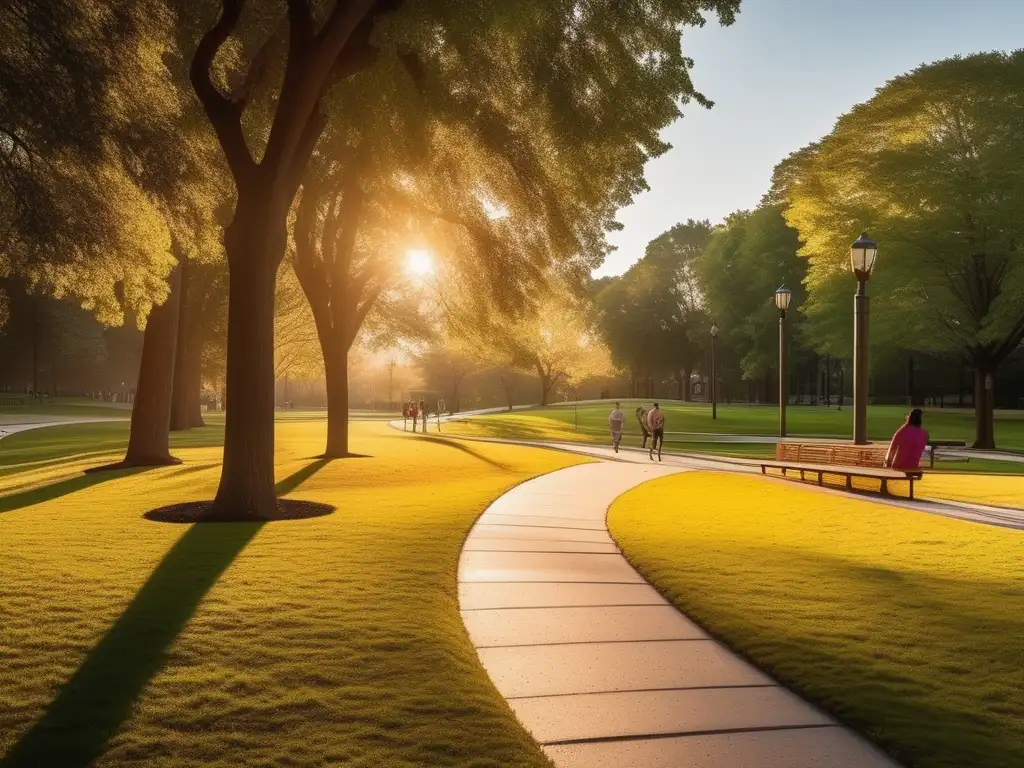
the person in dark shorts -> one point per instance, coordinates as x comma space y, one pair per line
641, 417
656, 423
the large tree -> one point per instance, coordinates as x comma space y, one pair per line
930, 168
591, 83
746, 259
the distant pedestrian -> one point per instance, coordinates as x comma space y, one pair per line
616, 421
641, 417
414, 414
907, 444
656, 423
423, 414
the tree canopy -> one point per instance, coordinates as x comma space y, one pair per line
929, 168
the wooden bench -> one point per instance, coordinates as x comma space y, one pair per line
844, 460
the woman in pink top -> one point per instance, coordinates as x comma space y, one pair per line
907, 444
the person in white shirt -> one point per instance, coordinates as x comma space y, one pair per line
656, 423
616, 421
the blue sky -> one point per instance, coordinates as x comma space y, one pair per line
779, 77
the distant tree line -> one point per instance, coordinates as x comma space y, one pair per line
928, 167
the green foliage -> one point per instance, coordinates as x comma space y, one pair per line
654, 317
929, 167
84, 145
745, 261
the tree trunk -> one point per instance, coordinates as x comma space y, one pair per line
194, 384
254, 248
983, 408
687, 392
508, 392
336, 374
545, 387
148, 443
179, 398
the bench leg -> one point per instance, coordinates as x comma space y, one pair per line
821, 479
885, 486
849, 482
802, 478
911, 481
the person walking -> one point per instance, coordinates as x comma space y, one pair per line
656, 423
641, 417
414, 414
616, 421
423, 412
907, 444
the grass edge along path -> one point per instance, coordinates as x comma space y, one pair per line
909, 627
330, 641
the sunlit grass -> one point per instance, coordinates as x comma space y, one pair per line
996, 490
60, 407
805, 420
588, 426
908, 626
330, 641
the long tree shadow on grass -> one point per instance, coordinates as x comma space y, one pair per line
459, 446
91, 706
61, 488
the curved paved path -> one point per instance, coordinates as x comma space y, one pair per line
598, 666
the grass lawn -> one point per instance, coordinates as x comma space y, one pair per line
56, 408
556, 424
805, 420
49, 451
908, 626
330, 641
995, 490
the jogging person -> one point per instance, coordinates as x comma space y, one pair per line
616, 421
656, 423
641, 417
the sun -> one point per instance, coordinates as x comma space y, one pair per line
419, 262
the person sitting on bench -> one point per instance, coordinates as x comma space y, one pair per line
907, 444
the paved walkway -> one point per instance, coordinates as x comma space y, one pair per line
598, 666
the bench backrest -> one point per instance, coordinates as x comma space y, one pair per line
826, 453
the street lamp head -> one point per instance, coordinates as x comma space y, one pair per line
862, 256
782, 298
714, 330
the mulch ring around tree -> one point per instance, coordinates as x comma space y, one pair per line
203, 512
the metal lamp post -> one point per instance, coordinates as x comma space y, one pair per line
714, 377
782, 298
862, 261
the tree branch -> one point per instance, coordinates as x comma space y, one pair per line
224, 115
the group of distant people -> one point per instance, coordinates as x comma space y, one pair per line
415, 410
905, 449
652, 427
